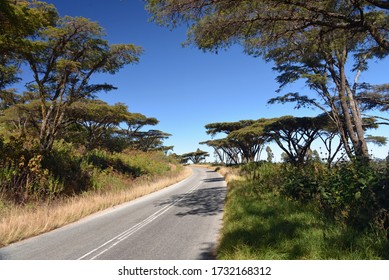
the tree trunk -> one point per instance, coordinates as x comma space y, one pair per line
352, 117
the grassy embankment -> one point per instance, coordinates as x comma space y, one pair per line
262, 223
109, 186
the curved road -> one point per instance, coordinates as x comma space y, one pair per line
178, 222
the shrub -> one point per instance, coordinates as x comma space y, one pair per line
302, 183
265, 176
27, 175
353, 193
65, 165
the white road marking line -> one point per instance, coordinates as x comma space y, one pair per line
127, 233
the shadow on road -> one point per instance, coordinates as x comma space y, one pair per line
207, 251
210, 180
207, 201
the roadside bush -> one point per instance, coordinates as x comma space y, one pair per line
104, 160
353, 193
149, 163
14, 173
28, 176
356, 194
318, 213
266, 176
302, 183
65, 165
23, 177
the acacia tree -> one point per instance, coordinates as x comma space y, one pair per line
94, 122
226, 151
295, 135
151, 140
250, 140
222, 22
321, 59
196, 157
137, 139
292, 33
21, 120
244, 140
63, 59
238, 146
19, 20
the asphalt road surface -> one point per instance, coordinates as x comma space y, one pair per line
179, 222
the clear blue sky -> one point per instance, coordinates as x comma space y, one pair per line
185, 88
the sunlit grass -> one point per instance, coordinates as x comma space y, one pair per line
268, 226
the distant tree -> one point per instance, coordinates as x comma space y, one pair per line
331, 140
196, 157
294, 136
136, 121
150, 140
96, 124
244, 139
226, 127
270, 154
225, 151
250, 140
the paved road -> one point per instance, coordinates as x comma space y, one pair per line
179, 222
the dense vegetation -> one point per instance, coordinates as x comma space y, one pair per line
278, 211
56, 138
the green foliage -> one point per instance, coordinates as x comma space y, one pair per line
268, 225
23, 176
216, 25
63, 76
65, 164
352, 193
19, 20
196, 157
107, 161
264, 175
301, 183
26, 175
362, 190
48, 128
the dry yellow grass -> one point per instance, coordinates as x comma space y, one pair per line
229, 173
19, 223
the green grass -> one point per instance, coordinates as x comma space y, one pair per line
266, 225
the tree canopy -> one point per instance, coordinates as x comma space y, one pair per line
64, 54
196, 157
63, 59
312, 41
214, 24
18, 20
294, 136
